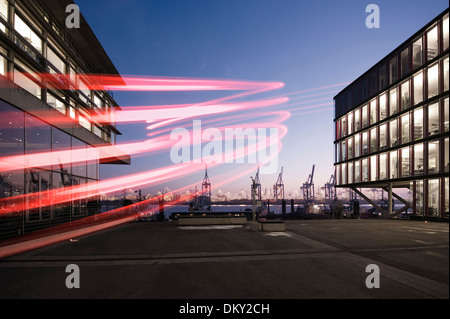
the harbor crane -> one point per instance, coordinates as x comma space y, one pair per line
329, 189
256, 195
308, 187
278, 188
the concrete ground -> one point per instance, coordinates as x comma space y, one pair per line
313, 259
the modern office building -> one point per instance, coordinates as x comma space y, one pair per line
392, 124
38, 117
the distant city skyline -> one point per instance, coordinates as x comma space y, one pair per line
314, 48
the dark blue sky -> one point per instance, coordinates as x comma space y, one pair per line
305, 44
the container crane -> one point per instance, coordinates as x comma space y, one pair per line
278, 188
308, 187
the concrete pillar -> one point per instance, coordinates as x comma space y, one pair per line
390, 199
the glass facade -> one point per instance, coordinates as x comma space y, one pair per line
404, 131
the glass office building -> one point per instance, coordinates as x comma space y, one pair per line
392, 123
38, 118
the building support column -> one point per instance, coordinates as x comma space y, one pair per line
390, 199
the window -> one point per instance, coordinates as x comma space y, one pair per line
344, 173
12, 137
405, 95
55, 60
365, 143
56, 103
418, 159
365, 170
338, 152
27, 80
61, 152
357, 172
418, 87
3, 64
405, 128
433, 119
393, 70
365, 120
393, 132
383, 166
27, 33
446, 155
37, 136
373, 111
417, 53
418, 124
373, 140
82, 119
419, 209
383, 136
432, 43
84, 88
383, 110
350, 147
343, 127
433, 84
373, 168
3, 13
433, 197
350, 123
350, 172
344, 150
79, 166
405, 62
357, 145
433, 157
383, 77
405, 162
446, 74
446, 107
445, 33
393, 165
393, 104
357, 119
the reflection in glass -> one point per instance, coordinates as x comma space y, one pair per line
365, 170
357, 120
446, 155
405, 62
393, 105
365, 119
446, 74
383, 136
357, 172
350, 123
365, 143
446, 111
445, 34
419, 197
373, 111
417, 53
350, 147
357, 145
393, 70
432, 43
373, 140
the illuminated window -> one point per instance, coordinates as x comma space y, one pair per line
405, 162
373, 168
350, 147
393, 104
418, 124
373, 111
383, 111
432, 43
350, 123
373, 140
344, 150
393, 132
383, 136
446, 155
3, 13
365, 170
55, 60
82, 119
383, 166
357, 145
56, 103
350, 172
357, 119
344, 173
405, 99
445, 33
405, 128
433, 119
393, 165
357, 172
446, 110
418, 159
365, 143
27, 33
418, 87
26, 79
446, 74
433, 197
433, 157
3, 65
433, 84
365, 119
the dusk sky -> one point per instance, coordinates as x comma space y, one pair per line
313, 47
